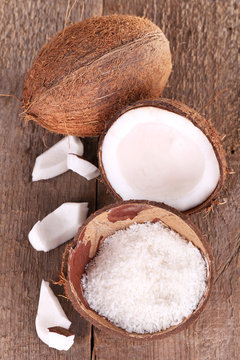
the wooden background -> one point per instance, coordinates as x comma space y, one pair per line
203, 37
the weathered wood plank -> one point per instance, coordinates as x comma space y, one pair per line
24, 27
203, 37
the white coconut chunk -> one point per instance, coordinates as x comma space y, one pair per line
154, 154
53, 161
82, 167
59, 341
58, 227
51, 314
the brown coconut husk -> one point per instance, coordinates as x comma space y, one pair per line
199, 121
90, 70
104, 223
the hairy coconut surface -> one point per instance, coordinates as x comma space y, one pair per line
161, 150
94, 68
106, 222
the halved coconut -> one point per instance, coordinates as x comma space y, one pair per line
104, 223
161, 150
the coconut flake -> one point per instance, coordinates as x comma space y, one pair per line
53, 162
50, 314
82, 167
145, 278
58, 227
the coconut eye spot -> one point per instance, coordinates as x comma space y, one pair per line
161, 156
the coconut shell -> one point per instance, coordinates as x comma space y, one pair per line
106, 222
199, 121
90, 70
61, 331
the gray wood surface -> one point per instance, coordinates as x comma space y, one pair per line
203, 37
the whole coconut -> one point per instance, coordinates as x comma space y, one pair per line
93, 68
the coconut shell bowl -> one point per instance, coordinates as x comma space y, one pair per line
106, 222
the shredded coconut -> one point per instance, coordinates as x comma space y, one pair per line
145, 278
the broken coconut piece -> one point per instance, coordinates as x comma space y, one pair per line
161, 150
82, 167
58, 227
60, 338
53, 161
51, 322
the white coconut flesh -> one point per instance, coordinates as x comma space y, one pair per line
51, 314
154, 154
82, 167
53, 161
58, 227
60, 342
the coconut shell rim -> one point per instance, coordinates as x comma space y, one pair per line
119, 332
180, 109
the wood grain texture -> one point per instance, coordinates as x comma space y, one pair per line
203, 37
24, 27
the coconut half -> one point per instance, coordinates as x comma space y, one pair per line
51, 322
53, 161
105, 222
58, 227
161, 150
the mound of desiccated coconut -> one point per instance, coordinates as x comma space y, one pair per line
145, 278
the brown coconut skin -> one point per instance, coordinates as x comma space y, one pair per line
90, 70
199, 121
130, 211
